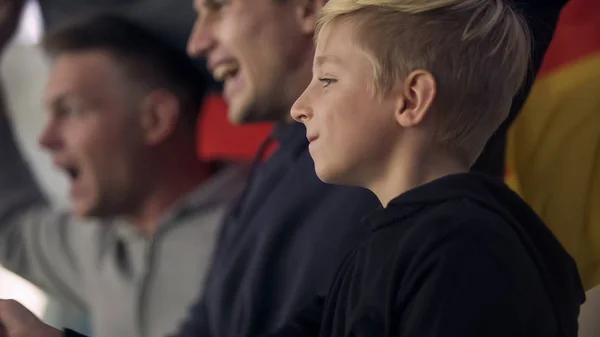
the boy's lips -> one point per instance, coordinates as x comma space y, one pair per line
312, 138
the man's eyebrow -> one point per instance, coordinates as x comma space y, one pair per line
197, 5
207, 5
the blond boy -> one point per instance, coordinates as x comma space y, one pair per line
404, 96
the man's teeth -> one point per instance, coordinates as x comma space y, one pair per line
225, 71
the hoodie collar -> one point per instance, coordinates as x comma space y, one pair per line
557, 269
462, 185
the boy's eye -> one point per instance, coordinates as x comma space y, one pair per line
327, 81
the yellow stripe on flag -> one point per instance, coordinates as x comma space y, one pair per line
553, 159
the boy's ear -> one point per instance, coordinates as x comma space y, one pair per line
307, 12
159, 116
418, 91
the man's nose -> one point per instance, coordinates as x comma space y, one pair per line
51, 139
201, 39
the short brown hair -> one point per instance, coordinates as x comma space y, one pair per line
477, 50
150, 61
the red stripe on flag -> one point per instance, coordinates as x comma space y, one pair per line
577, 35
220, 140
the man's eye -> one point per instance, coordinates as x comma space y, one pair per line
69, 112
327, 81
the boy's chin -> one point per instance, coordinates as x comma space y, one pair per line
330, 176
339, 176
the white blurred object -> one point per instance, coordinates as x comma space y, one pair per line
24, 74
24, 71
31, 26
14, 287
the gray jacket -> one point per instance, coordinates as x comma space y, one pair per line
131, 286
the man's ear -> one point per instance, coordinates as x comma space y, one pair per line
418, 91
306, 12
160, 113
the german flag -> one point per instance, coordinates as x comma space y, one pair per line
553, 151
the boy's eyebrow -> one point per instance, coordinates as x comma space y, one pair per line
322, 59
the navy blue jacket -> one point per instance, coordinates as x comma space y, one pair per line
281, 246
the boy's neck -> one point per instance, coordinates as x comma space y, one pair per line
405, 174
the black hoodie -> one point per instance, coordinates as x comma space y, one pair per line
461, 256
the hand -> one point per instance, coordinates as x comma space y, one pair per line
10, 13
17, 321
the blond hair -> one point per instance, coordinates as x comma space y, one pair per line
477, 50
